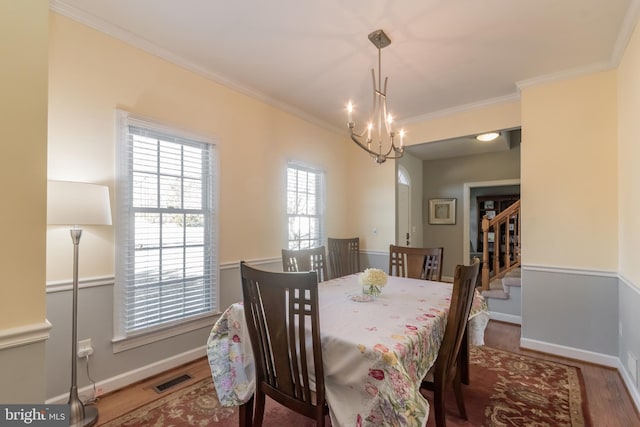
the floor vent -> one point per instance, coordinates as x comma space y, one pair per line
160, 388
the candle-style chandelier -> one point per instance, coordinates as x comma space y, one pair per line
379, 142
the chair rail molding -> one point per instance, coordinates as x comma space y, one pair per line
24, 335
87, 282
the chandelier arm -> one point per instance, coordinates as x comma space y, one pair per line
354, 138
375, 94
380, 158
385, 113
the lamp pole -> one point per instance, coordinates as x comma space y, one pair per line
78, 414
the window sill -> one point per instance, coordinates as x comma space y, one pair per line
121, 344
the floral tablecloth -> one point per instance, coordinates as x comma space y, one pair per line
375, 353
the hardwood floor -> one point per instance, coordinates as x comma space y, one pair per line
610, 404
129, 398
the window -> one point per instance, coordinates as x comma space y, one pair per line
403, 176
305, 206
166, 264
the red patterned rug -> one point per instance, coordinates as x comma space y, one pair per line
506, 390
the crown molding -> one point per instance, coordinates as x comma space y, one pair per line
624, 35
566, 74
463, 108
75, 14
626, 31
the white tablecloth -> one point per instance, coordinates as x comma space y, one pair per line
375, 353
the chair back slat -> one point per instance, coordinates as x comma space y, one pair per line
464, 284
416, 263
450, 363
344, 256
314, 259
281, 310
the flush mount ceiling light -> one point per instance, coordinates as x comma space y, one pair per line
487, 137
379, 141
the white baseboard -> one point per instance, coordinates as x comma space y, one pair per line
631, 387
508, 318
571, 353
127, 378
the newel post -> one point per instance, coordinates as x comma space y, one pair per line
485, 253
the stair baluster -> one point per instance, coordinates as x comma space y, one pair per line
511, 260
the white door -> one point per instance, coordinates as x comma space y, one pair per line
404, 216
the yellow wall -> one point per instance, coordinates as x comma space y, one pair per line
628, 159
92, 74
23, 161
502, 115
372, 200
569, 173
23, 194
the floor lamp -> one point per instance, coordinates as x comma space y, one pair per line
76, 204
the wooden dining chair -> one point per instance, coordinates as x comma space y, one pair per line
281, 310
448, 368
416, 263
314, 259
344, 256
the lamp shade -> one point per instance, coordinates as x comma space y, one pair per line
77, 203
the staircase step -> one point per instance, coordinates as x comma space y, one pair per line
496, 293
496, 285
512, 278
511, 281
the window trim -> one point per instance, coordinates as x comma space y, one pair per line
122, 340
321, 198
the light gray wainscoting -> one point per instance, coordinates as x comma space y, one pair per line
22, 353
507, 310
571, 312
112, 370
629, 331
374, 259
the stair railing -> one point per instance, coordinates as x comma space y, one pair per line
506, 234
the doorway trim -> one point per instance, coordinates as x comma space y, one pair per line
466, 209
403, 182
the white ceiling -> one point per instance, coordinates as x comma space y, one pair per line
311, 57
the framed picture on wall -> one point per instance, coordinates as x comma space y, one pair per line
442, 211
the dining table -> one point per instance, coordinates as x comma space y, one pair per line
375, 351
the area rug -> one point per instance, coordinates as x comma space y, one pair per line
505, 390
512, 390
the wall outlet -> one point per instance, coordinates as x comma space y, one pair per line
85, 348
632, 366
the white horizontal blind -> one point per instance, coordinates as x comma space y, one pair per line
305, 206
167, 256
